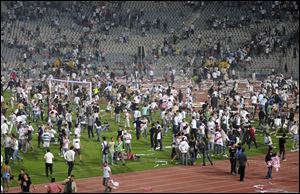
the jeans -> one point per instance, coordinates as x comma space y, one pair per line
117, 118
16, 155
71, 165
104, 158
218, 149
269, 173
112, 157
210, 147
224, 149
199, 136
98, 131
128, 147
184, 158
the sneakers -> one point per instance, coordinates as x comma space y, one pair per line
284, 160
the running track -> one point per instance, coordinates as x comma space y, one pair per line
198, 178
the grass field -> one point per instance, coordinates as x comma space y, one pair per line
91, 154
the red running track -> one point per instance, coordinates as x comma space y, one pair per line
200, 179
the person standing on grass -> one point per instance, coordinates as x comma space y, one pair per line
105, 150
48, 157
184, 148
90, 126
98, 128
77, 146
40, 136
119, 151
70, 158
127, 119
7, 145
152, 132
202, 146
53, 187
242, 158
46, 139
111, 146
65, 146
15, 148
282, 142
6, 175
138, 126
127, 137
158, 139
251, 136
107, 176
295, 132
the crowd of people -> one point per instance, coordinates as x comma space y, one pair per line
220, 127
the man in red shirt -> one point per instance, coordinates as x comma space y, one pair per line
53, 187
251, 136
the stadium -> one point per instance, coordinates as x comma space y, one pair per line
149, 96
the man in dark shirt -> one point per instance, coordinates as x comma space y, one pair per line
138, 127
261, 116
152, 133
203, 149
232, 158
282, 142
118, 111
242, 158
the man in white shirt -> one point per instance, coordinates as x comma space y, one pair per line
254, 102
194, 127
48, 157
295, 131
77, 145
218, 142
70, 158
4, 129
184, 148
127, 137
158, 139
106, 177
